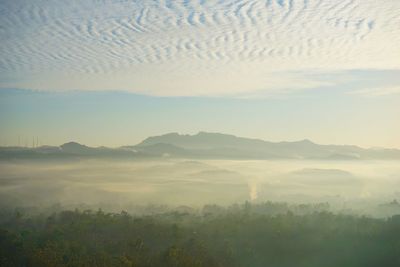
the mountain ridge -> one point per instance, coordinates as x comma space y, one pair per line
206, 145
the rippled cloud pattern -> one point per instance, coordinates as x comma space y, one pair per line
193, 47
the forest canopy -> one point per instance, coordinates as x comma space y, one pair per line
267, 234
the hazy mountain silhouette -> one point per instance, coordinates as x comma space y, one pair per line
76, 148
206, 145
217, 145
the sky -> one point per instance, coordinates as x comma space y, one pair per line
114, 72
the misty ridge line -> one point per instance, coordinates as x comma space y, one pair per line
205, 145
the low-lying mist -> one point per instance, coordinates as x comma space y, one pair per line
367, 187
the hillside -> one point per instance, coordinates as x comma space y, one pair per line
206, 146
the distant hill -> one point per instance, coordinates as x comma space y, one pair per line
69, 150
217, 145
207, 146
76, 148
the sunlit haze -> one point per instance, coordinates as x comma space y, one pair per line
200, 133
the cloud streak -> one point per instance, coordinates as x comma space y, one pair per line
192, 47
377, 92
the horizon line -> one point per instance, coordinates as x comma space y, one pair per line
191, 135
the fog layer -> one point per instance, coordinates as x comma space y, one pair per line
362, 186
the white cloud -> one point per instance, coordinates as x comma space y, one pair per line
192, 47
375, 92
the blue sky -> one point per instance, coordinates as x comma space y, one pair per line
114, 72
324, 115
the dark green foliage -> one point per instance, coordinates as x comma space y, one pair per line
239, 236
